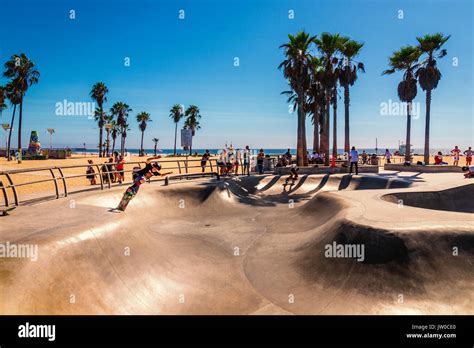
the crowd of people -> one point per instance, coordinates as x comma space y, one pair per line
112, 170
232, 161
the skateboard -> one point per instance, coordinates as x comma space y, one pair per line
124, 202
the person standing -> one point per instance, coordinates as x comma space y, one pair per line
260, 159
354, 157
388, 156
246, 161
119, 168
455, 152
237, 160
204, 159
90, 172
288, 156
468, 154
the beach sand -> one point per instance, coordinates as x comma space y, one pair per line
168, 163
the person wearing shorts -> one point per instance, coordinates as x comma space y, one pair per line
119, 167
246, 161
456, 153
468, 154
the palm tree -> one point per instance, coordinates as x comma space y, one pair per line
99, 117
192, 121
429, 75
3, 96
296, 69
155, 140
121, 111
98, 93
347, 78
143, 118
405, 60
124, 129
329, 45
176, 113
114, 130
13, 94
23, 71
317, 100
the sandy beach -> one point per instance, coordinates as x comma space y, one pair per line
169, 164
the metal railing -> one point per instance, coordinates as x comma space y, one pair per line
190, 176
106, 178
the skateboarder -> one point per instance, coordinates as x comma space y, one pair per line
293, 176
130, 193
139, 177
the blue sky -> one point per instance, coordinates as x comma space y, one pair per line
191, 61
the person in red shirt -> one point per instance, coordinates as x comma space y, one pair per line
456, 153
119, 167
439, 158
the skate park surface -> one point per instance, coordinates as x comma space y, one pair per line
248, 245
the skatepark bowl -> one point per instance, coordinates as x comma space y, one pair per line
246, 245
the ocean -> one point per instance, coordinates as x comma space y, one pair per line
150, 152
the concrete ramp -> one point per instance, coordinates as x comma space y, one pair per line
239, 246
460, 199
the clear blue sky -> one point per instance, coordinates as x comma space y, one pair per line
191, 61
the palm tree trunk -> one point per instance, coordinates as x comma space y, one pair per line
426, 157
347, 144
326, 128
10, 133
141, 145
19, 130
175, 135
324, 135
113, 145
107, 143
122, 144
407, 148
316, 135
301, 148
334, 126
100, 141
155, 150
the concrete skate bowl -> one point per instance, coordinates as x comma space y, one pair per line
458, 199
198, 248
275, 188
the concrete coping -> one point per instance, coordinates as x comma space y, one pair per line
430, 168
